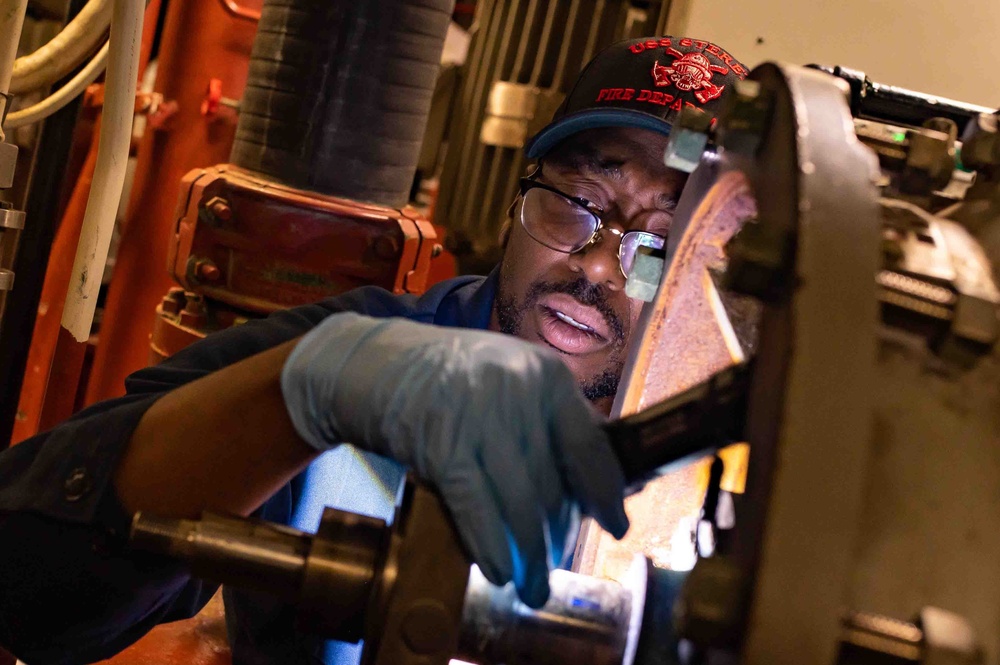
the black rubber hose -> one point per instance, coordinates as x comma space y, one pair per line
338, 94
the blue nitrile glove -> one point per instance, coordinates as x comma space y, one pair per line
496, 424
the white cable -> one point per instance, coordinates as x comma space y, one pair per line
62, 96
109, 174
65, 51
11, 21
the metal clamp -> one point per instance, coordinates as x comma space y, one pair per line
11, 219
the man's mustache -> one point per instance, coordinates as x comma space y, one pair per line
586, 293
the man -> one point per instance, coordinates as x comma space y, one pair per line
499, 424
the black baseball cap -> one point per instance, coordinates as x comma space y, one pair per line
642, 83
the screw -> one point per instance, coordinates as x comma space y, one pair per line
436, 250
206, 270
193, 314
169, 306
219, 208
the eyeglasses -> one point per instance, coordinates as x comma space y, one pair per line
569, 224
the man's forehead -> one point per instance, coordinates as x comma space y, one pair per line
607, 151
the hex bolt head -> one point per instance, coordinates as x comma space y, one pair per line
219, 208
207, 271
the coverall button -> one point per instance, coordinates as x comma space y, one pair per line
77, 484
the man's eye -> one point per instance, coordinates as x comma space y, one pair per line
582, 196
660, 226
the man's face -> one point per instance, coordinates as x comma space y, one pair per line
576, 303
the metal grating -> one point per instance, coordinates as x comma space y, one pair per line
539, 43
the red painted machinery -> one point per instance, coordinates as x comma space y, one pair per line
245, 245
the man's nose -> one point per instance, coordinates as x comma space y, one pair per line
599, 261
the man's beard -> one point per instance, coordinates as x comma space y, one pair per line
510, 318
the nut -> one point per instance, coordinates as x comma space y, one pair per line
219, 208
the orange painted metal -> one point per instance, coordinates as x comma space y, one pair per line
52, 372
245, 245
239, 11
198, 641
51, 390
257, 245
687, 339
150, 21
200, 41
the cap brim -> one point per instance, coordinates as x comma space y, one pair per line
580, 121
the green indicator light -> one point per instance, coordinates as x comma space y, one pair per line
899, 137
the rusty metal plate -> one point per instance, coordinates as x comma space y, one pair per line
261, 246
686, 338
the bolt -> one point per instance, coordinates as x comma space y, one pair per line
219, 208
193, 314
169, 305
436, 250
206, 270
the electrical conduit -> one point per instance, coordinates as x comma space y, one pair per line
109, 178
64, 52
11, 21
63, 95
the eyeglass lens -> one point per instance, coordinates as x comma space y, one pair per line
565, 226
631, 242
555, 221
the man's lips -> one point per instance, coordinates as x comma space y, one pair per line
570, 326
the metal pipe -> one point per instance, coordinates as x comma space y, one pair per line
200, 41
899, 105
247, 554
112, 158
585, 621
337, 96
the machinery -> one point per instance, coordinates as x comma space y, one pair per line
865, 375
309, 204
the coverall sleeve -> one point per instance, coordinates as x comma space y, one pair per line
69, 593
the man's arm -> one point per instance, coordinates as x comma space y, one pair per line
67, 592
222, 443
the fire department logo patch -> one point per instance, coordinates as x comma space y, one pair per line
690, 72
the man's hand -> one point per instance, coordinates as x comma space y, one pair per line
496, 424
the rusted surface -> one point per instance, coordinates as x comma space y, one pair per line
200, 41
198, 641
687, 339
271, 246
